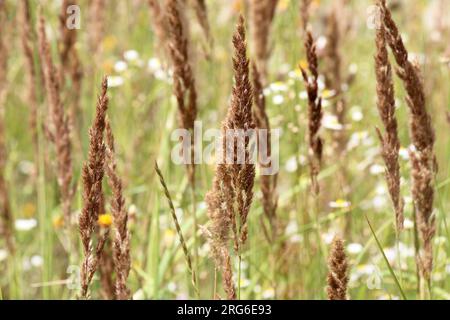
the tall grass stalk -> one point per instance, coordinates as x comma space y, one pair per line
179, 232
380, 247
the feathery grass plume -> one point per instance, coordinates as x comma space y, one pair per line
232, 192
187, 255
6, 219
183, 77
159, 24
121, 242
240, 117
70, 62
315, 113
423, 159
334, 78
59, 130
268, 182
337, 271
262, 15
97, 12
92, 175
201, 11
386, 108
27, 38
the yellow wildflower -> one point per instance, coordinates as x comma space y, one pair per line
136, 264
58, 221
327, 94
303, 64
107, 66
169, 236
284, 4
109, 43
29, 210
237, 6
105, 220
298, 73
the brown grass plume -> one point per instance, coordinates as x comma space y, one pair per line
159, 25
231, 196
315, 112
390, 143
183, 77
262, 15
70, 62
423, 160
337, 271
97, 12
58, 129
92, 175
334, 79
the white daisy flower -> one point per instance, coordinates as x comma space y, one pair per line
328, 237
339, 203
115, 81
131, 55
278, 99
353, 68
408, 224
356, 114
303, 95
244, 283
139, 295
331, 122
36, 261
3, 255
291, 164
292, 227
376, 169
278, 86
354, 248
403, 153
153, 64
379, 202
268, 293
120, 66
321, 43
447, 268
172, 286
25, 224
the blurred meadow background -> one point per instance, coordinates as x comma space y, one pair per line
121, 43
